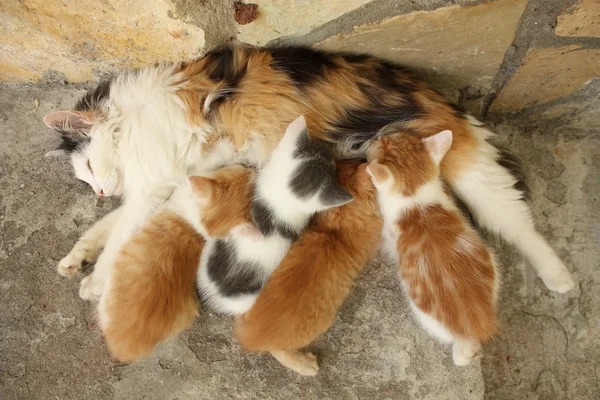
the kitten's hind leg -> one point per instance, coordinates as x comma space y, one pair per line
89, 246
488, 190
303, 363
463, 351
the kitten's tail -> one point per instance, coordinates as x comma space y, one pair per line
152, 294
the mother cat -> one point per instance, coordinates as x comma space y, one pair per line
145, 130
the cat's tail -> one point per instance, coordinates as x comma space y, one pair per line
151, 294
491, 183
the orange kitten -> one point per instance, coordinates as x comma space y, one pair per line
448, 272
301, 298
152, 290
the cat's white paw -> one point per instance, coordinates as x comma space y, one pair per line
558, 280
90, 288
306, 364
70, 265
464, 351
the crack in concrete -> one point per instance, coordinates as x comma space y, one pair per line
564, 331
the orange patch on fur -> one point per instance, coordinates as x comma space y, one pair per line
152, 295
229, 194
300, 300
448, 271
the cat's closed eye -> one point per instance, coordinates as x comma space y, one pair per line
90, 167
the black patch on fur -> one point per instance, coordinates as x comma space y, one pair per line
90, 101
459, 111
94, 98
333, 195
363, 124
268, 224
301, 64
231, 276
513, 165
222, 68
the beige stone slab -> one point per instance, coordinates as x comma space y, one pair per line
454, 46
582, 19
546, 74
83, 38
280, 18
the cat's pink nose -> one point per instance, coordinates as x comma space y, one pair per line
101, 192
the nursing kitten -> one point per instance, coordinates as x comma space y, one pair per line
301, 298
151, 292
298, 181
448, 272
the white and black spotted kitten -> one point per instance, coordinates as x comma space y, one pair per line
298, 181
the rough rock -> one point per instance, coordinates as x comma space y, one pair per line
84, 39
453, 47
582, 19
546, 74
277, 18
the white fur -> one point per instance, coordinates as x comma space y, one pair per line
487, 188
272, 187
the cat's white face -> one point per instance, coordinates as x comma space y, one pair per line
97, 165
90, 143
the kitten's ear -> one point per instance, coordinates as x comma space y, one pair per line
295, 130
379, 173
438, 144
202, 187
362, 176
72, 121
334, 195
249, 231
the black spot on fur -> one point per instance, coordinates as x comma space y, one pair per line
94, 98
513, 165
268, 224
362, 125
334, 195
301, 64
459, 111
222, 68
231, 276
72, 143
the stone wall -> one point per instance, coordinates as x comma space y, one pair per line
501, 56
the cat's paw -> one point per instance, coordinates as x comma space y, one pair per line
90, 288
463, 352
71, 264
305, 364
559, 280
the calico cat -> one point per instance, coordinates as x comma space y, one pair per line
300, 300
298, 181
151, 291
448, 272
162, 120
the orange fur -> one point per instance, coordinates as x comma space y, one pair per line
447, 269
228, 192
300, 300
152, 295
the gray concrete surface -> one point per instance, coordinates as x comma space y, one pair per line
50, 347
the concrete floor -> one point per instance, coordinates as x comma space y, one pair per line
50, 347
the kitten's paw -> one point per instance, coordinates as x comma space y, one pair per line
306, 364
90, 288
70, 265
464, 351
559, 280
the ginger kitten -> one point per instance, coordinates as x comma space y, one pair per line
151, 293
448, 272
301, 298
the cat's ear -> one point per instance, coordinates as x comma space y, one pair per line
379, 173
202, 187
295, 130
334, 195
72, 121
249, 231
438, 144
362, 176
